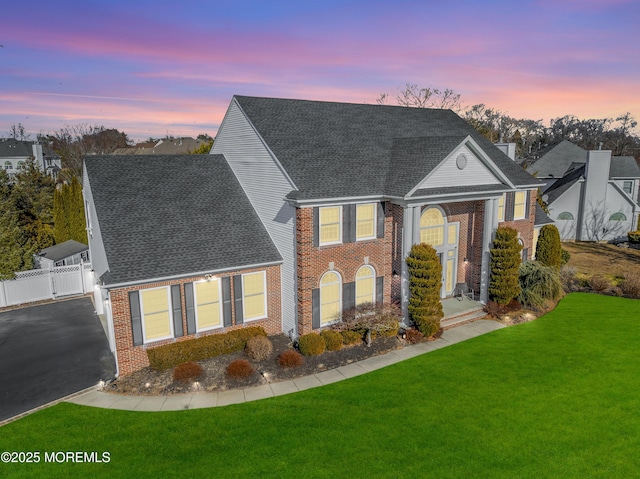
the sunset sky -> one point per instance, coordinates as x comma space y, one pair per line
151, 68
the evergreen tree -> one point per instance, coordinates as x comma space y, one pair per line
425, 279
505, 263
69, 217
549, 248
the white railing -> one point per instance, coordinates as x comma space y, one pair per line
39, 284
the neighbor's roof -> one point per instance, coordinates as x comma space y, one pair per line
337, 150
563, 184
624, 167
541, 217
63, 250
556, 159
165, 215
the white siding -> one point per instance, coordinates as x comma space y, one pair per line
569, 201
266, 185
448, 174
96, 246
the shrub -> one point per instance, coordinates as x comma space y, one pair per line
538, 283
599, 284
414, 336
311, 344
258, 347
634, 236
239, 369
566, 256
381, 320
630, 286
332, 340
568, 278
505, 262
351, 337
425, 276
169, 355
549, 249
188, 372
496, 310
290, 359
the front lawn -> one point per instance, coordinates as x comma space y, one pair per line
557, 397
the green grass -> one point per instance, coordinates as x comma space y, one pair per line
557, 397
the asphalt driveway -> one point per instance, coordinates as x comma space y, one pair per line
48, 352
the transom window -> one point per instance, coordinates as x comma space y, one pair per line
432, 227
365, 285
207, 299
565, 215
618, 217
365, 221
519, 206
154, 304
501, 208
330, 286
330, 224
254, 296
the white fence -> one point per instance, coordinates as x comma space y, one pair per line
39, 284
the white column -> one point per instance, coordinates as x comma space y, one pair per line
489, 227
408, 235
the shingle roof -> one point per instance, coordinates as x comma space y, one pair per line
11, 148
63, 250
166, 215
563, 184
556, 159
624, 167
541, 217
333, 150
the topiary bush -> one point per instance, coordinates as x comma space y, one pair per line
311, 344
538, 283
425, 277
258, 348
197, 349
332, 340
290, 359
239, 369
188, 372
351, 337
549, 248
505, 263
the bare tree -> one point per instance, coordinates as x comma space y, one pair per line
598, 224
18, 132
414, 96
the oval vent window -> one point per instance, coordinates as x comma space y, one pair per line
461, 161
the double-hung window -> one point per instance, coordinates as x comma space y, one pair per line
254, 297
155, 307
501, 208
519, 205
208, 305
330, 223
366, 221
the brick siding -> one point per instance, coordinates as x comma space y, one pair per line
525, 226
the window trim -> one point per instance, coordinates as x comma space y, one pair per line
340, 283
620, 216
339, 241
264, 294
374, 222
142, 315
372, 277
524, 205
195, 305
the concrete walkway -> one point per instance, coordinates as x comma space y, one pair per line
199, 400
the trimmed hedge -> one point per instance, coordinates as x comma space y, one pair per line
425, 279
332, 340
504, 284
549, 248
170, 355
311, 344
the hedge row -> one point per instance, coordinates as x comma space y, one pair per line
170, 355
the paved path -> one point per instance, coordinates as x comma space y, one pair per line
199, 400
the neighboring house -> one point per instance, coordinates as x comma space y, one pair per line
323, 199
63, 254
176, 256
14, 154
174, 146
591, 196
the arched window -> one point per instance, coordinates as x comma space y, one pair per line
330, 297
618, 217
432, 227
20, 165
365, 285
565, 215
8, 165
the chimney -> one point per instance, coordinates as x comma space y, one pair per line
508, 149
595, 188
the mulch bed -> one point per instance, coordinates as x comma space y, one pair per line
150, 382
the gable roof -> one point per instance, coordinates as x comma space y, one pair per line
556, 159
163, 216
624, 167
563, 184
541, 218
338, 150
63, 250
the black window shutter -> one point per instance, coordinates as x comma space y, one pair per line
527, 197
176, 305
379, 290
226, 301
380, 218
136, 317
349, 223
315, 308
237, 296
348, 296
191, 309
316, 226
525, 255
508, 206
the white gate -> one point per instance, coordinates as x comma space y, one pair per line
39, 284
